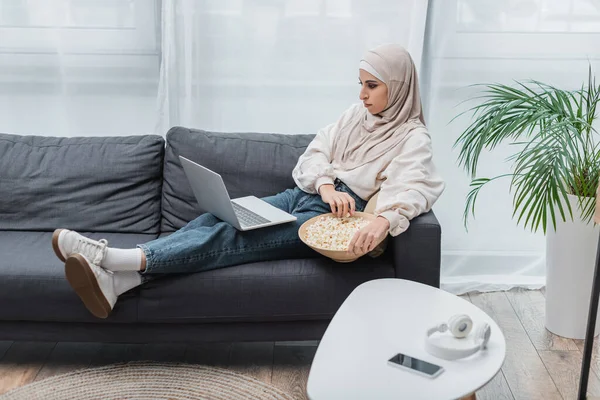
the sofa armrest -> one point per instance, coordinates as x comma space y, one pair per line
417, 252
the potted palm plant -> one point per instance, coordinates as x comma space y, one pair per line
553, 180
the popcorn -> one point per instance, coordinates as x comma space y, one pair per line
332, 233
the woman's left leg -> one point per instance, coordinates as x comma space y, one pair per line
201, 246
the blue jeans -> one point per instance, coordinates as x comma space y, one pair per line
208, 243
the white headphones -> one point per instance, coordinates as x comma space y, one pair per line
458, 345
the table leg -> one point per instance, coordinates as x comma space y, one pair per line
470, 397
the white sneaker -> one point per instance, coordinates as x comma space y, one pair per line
93, 284
71, 242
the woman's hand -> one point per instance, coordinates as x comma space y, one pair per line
341, 203
368, 237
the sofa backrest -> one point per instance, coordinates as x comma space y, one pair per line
110, 184
258, 164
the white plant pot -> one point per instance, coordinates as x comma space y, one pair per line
570, 259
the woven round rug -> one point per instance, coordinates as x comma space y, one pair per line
148, 380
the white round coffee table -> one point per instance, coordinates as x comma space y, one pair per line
384, 317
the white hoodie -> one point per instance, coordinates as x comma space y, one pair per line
405, 176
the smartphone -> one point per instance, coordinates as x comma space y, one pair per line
416, 365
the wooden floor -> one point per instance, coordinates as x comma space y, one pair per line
538, 365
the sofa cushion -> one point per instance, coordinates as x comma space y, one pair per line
285, 290
110, 184
258, 164
33, 286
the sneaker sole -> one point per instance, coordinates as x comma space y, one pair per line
82, 279
55, 244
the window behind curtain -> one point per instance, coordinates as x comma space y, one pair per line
487, 41
278, 66
78, 67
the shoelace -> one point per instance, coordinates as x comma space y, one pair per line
87, 247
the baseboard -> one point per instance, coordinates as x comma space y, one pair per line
467, 271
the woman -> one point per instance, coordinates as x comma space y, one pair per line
379, 145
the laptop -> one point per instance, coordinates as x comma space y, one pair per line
244, 213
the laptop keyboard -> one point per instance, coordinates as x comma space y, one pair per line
248, 217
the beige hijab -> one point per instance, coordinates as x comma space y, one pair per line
366, 137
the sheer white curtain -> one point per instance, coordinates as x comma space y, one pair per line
288, 66
78, 67
489, 41
91, 67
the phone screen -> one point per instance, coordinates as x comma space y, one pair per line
415, 364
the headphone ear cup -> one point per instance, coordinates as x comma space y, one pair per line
460, 325
482, 334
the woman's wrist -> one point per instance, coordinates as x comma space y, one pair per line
323, 180
324, 187
384, 221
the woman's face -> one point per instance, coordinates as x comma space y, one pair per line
373, 92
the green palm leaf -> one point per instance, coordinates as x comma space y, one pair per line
557, 148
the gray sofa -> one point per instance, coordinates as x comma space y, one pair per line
132, 189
